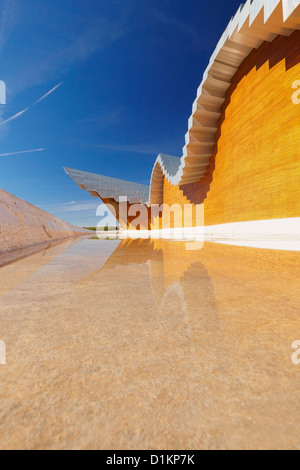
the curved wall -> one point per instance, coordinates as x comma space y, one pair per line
254, 172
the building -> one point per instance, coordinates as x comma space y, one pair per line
241, 159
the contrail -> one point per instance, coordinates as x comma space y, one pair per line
48, 93
15, 116
23, 151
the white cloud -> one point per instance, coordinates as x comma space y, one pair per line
89, 205
7, 20
106, 119
130, 148
184, 28
83, 213
70, 203
100, 34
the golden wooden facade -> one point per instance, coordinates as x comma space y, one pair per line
254, 173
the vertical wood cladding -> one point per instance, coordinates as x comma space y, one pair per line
254, 173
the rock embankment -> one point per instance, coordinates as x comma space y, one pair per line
23, 225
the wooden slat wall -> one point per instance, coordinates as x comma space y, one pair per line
254, 173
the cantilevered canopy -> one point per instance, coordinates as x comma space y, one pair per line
109, 188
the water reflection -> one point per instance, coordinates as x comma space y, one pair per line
181, 286
142, 344
17, 266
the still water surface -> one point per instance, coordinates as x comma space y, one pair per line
145, 345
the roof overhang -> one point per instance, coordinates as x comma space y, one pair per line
255, 22
109, 188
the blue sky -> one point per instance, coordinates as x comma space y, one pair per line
105, 85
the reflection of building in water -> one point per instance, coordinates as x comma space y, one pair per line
174, 271
182, 292
154, 347
165, 327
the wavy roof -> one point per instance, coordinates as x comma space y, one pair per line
255, 22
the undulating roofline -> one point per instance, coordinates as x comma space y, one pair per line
255, 22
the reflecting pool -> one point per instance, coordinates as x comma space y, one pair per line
144, 344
